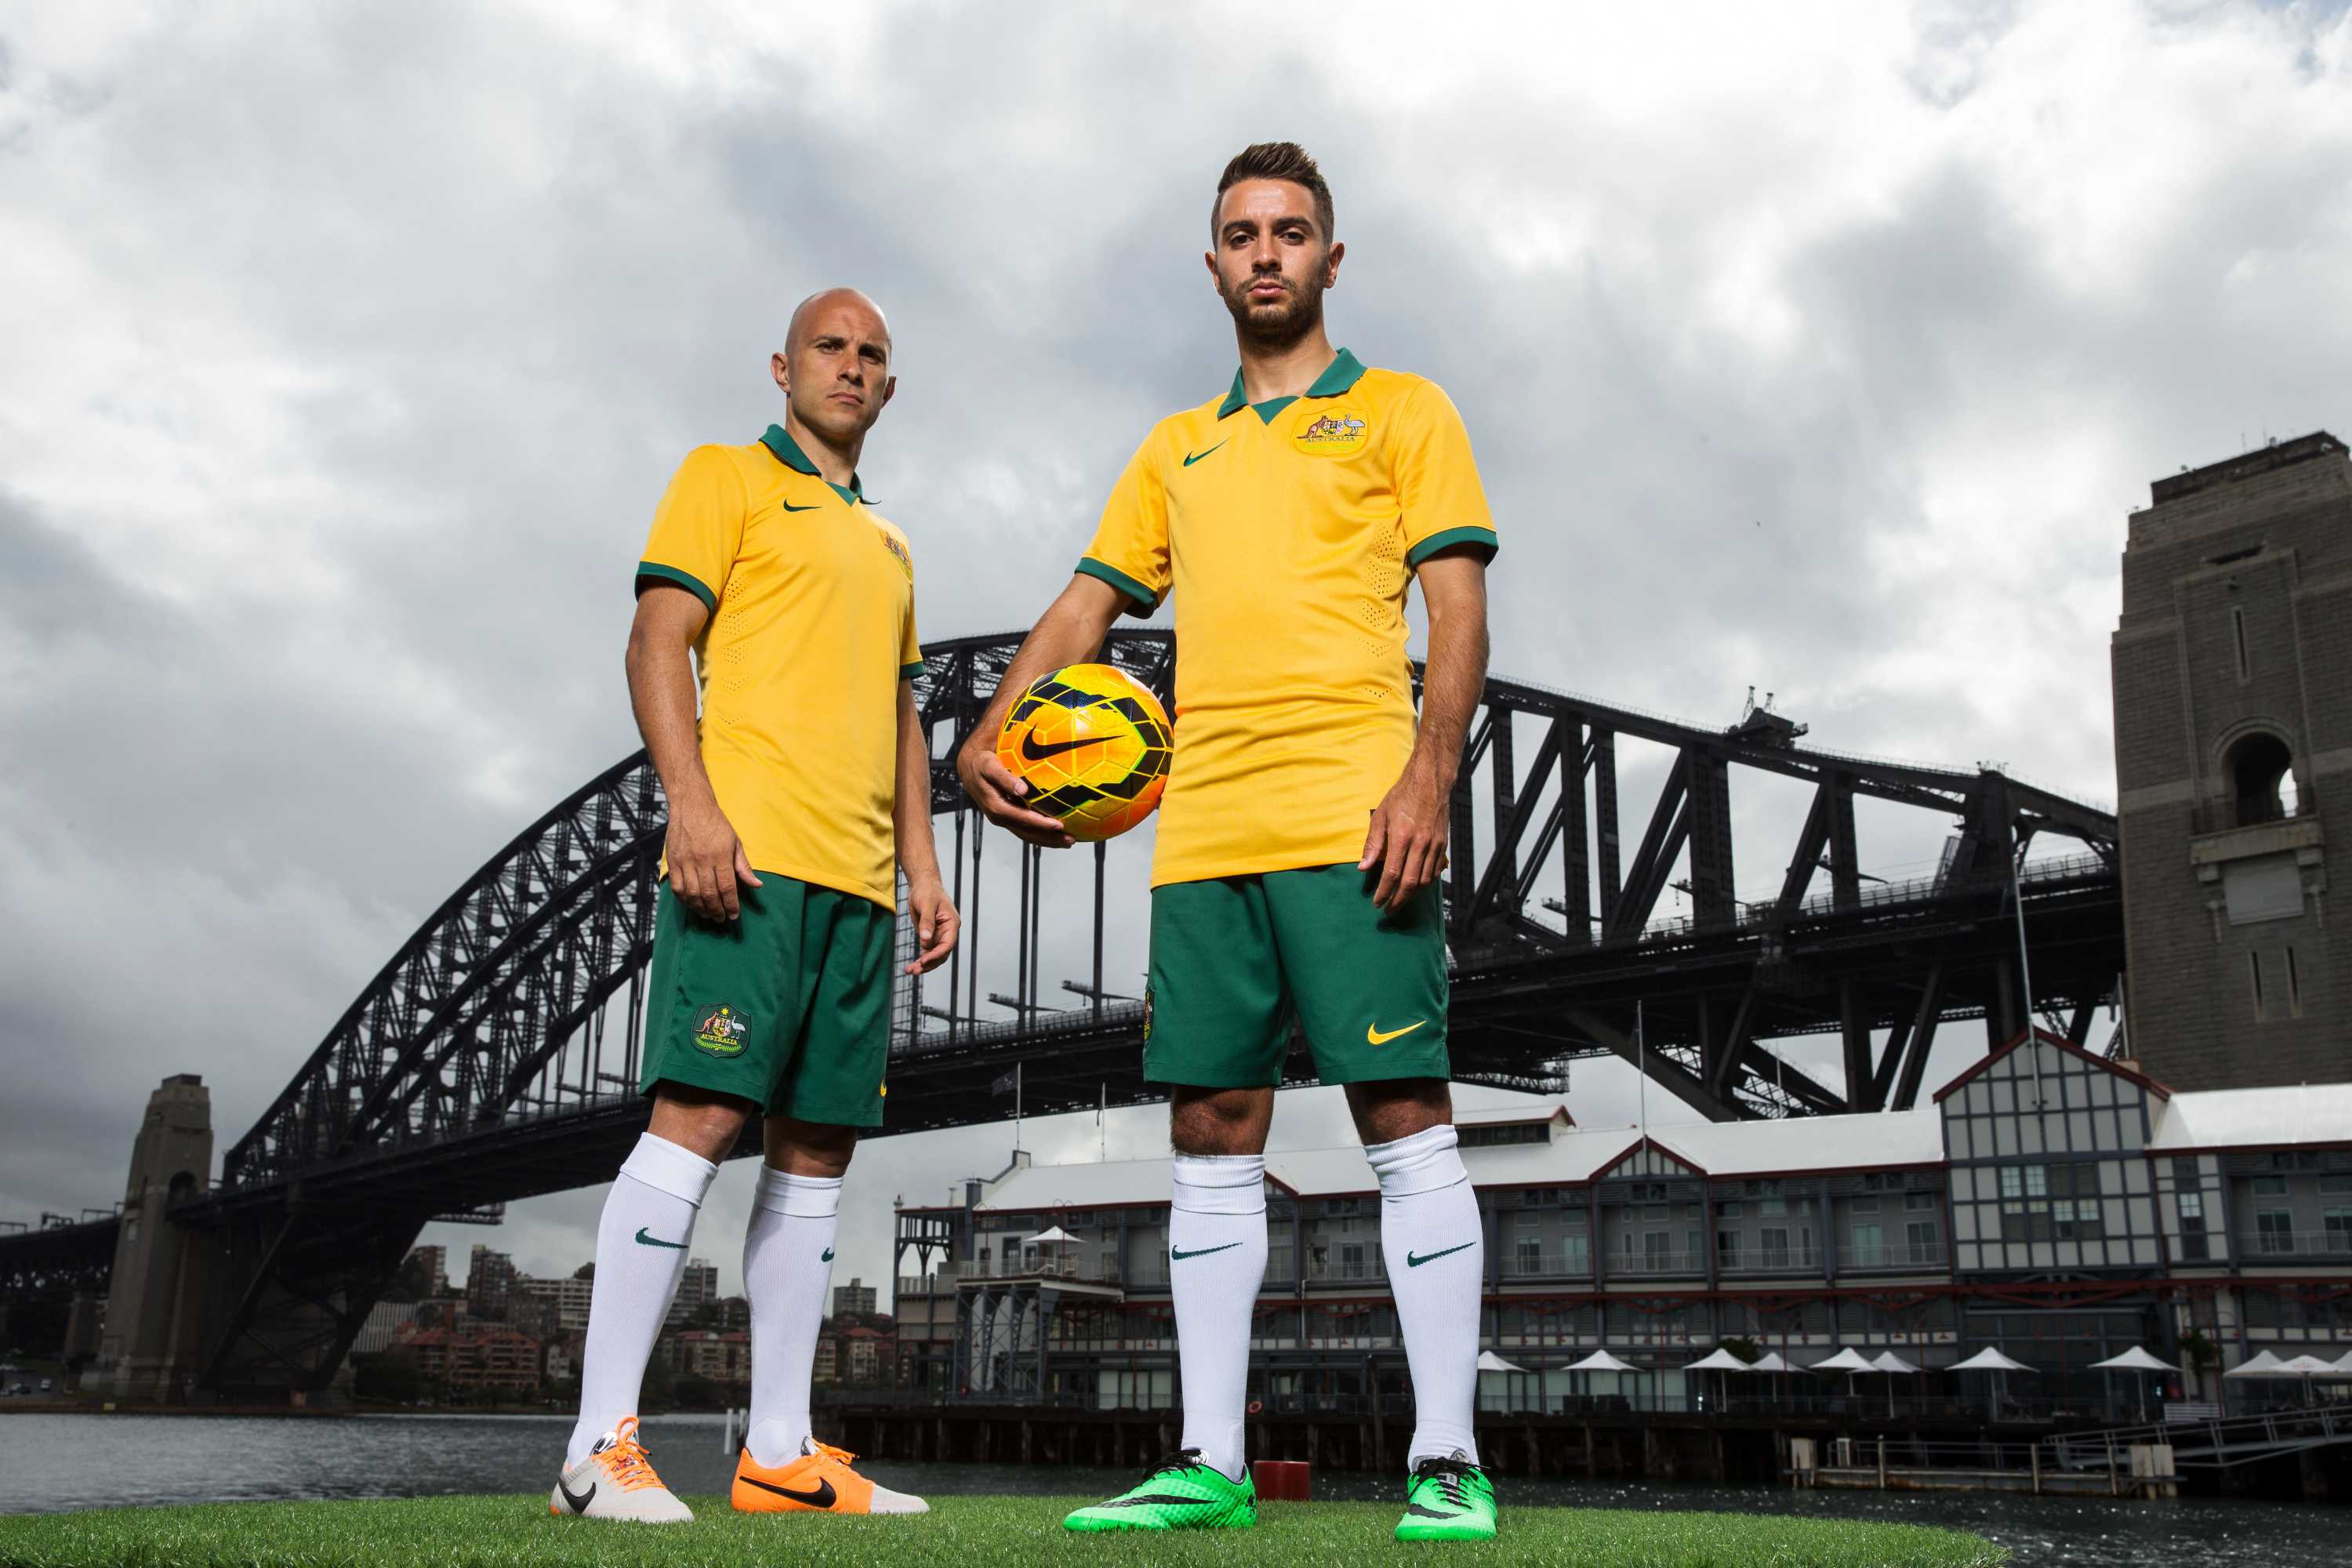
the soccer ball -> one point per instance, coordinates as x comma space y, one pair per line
1092, 742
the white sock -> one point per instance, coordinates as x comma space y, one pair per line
787, 1263
1216, 1261
1429, 1213
654, 1198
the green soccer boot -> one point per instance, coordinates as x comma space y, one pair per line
1448, 1499
1181, 1494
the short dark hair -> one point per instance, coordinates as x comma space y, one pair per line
1276, 161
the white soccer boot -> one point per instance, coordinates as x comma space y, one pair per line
617, 1482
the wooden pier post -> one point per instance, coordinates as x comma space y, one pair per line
1882, 1464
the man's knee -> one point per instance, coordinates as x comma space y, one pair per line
1400, 1108
1219, 1120
699, 1120
809, 1148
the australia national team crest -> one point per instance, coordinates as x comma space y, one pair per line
1330, 430
897, 547
721, 1031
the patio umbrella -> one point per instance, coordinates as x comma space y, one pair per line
2135, 1360
1600, 1361
2306, 1367
1719, 1359
2344, 1361
1889, 1362
1057, 1237
2000, 1366
1849, 1362
1772, 1361
1489, 1362
2263, 1365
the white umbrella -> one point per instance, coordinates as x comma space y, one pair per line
1057, 1237
1489, 1362
2344, 1361
1849, 1362
1719, 1359
2135, 1360
1601, 1361
2261, 1366
1771, 1361
2306, 1367
2000, 1366
1887, 1361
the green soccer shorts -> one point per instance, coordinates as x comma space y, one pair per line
1236, 959
788, 1006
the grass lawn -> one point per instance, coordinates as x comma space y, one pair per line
961, 1533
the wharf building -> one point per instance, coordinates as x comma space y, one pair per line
2055, 1205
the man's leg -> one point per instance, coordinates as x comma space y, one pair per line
1217, 1259
1435, 1246
641, 1244
787, 1263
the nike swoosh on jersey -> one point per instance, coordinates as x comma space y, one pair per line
579, 1504
1032, 752
1414, 1261
1374, 1035
1193, 457
790, 507
645, 1240
1177, 1256
821, 1498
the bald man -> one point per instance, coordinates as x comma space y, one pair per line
795, 803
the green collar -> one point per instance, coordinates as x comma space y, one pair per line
1341, 374
788, 452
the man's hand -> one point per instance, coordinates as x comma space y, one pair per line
937, 924
1407, 841
998, 794
707, 861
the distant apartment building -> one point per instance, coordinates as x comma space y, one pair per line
488, 1359
490, 1281
568, 1296
720, 1356
435, 1261
856, 1298
2055, 1205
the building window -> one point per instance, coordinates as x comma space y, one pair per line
1730, 1209
2195, 1245
2184, 1170
2274, 1231
2335, 1230
1572, 1253
2237, 636
1919, 1236
2270, 1186
1867, 1246
1727, 1249
1864, 1205
2259, 765
1530, 1255
1772, 1208
2337, 1183
1920, 1203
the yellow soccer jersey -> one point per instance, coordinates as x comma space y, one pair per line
811, 601
1286, 532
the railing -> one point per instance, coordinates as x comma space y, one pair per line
1769, 1260
2214, 1442
2301, 1243
1894, 1255
1547, 1265
1350, 1268
1657, 1263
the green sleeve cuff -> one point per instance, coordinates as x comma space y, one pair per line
648, 571
1141, 600
1483, 539
909, 671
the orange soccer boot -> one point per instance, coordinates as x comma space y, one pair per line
819, 1481
617, 1482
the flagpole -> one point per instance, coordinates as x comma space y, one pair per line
1642, 1068
1016, 1108
1102, 1127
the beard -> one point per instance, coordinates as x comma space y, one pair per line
1275, 326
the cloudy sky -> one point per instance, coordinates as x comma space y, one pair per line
1821, 348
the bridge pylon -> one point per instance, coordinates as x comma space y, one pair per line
154, 1314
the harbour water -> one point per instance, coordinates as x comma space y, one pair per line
59, 1462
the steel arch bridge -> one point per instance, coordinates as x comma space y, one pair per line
495, 1055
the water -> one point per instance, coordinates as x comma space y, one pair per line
59, 1462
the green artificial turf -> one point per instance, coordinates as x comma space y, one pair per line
960, 1531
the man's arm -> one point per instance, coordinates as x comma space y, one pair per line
706, 858
1407, 840
936, 921
1071, 630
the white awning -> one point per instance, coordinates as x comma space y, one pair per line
1848, 1360
1489, 1362
1054, 1238
2307, 1366
1601, 1361
1718, 1359
1887, 1361
1989, 1360
1771, 1361
2133, 1360
2263, 1366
